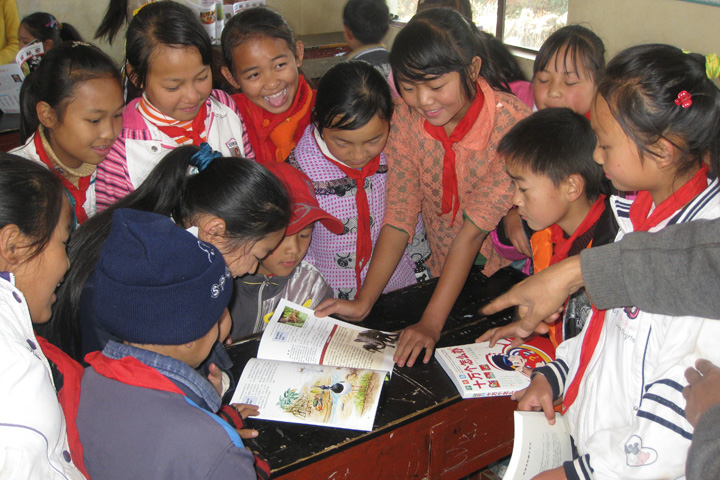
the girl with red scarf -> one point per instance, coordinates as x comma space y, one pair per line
262, 59
442, 164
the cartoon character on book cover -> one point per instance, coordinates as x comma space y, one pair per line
522, 359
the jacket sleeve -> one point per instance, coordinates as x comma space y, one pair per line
704, 457
674, 272
113, 179
12, 23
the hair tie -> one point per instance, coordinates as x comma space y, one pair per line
202, 158
684, 99
712, 66
52, 23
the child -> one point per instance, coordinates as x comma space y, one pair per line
233, 203
262, 59
35, 220
365, 24
463, 7
46, 29
71, 114
567, 68
8, 31
142, 393
341, 152
283, 273
168, 59
621, 379
558, 185
441, 163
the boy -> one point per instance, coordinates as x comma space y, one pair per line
283, 273
366, 23
144, 411
558, 185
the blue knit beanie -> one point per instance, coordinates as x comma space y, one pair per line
155, 283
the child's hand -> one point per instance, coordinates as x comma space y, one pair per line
350, 310
411, 342
554, 474
703, 390
512, 223
245, 411
215, 377
537, 397
510, 330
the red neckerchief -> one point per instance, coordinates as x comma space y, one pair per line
195, 133
641, 223
131, 371
271, 135
364, 239
562, 245
78, 193
450, 199
641, 206
68, 396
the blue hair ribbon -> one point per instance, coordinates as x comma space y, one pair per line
202, 158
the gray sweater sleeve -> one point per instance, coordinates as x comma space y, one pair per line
704, 456
674, 272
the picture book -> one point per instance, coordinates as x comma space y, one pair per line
11, 78
477, 370
538, 446
317, 371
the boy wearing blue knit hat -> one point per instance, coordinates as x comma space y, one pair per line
144, 411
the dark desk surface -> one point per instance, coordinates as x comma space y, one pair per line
411, 394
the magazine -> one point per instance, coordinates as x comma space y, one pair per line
538, 446
317, 371
477, 370
11, 78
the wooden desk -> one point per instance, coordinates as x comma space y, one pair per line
423, 429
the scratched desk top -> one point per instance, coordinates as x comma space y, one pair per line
413, 392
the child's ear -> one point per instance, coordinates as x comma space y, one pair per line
46, 115
299, 53
664, 153
229, 77
348, 34
574, 186
130, 73
475, 68
10, 246
211, 226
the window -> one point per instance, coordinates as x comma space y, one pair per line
520, 23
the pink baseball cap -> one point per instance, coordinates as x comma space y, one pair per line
305, 207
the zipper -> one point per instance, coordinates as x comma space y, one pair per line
259, 315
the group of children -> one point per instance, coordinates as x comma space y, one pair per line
330, 197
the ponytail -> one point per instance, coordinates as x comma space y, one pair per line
115, 17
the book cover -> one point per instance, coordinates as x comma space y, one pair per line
477, 370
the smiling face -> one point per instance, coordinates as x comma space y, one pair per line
38, 277
540, 203
292, 249
559, 85
266, 70
89, 125
177, 82
356, 148
441, 101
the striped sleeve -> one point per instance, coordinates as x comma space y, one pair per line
578, 469
556, 373
113, 179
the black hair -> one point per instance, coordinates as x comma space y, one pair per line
62, 70
368, 20
251, 200
115, 17
162, 23
502, 57
556, 143
254, 23
641, 86
463, 7
43, 26
439, 41
582, 47
31, 197
349, 95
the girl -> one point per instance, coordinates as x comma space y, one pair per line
71, 114
35, 220
623, 394
441, 163
567, 68
262, 59
233, 203
341, 152
168, 60
46, 29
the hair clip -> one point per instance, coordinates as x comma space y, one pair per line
52, 23
684, 99
202, 158
80, 44
712, 66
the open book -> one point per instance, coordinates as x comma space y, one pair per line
538, 446
477, 370
318, 371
